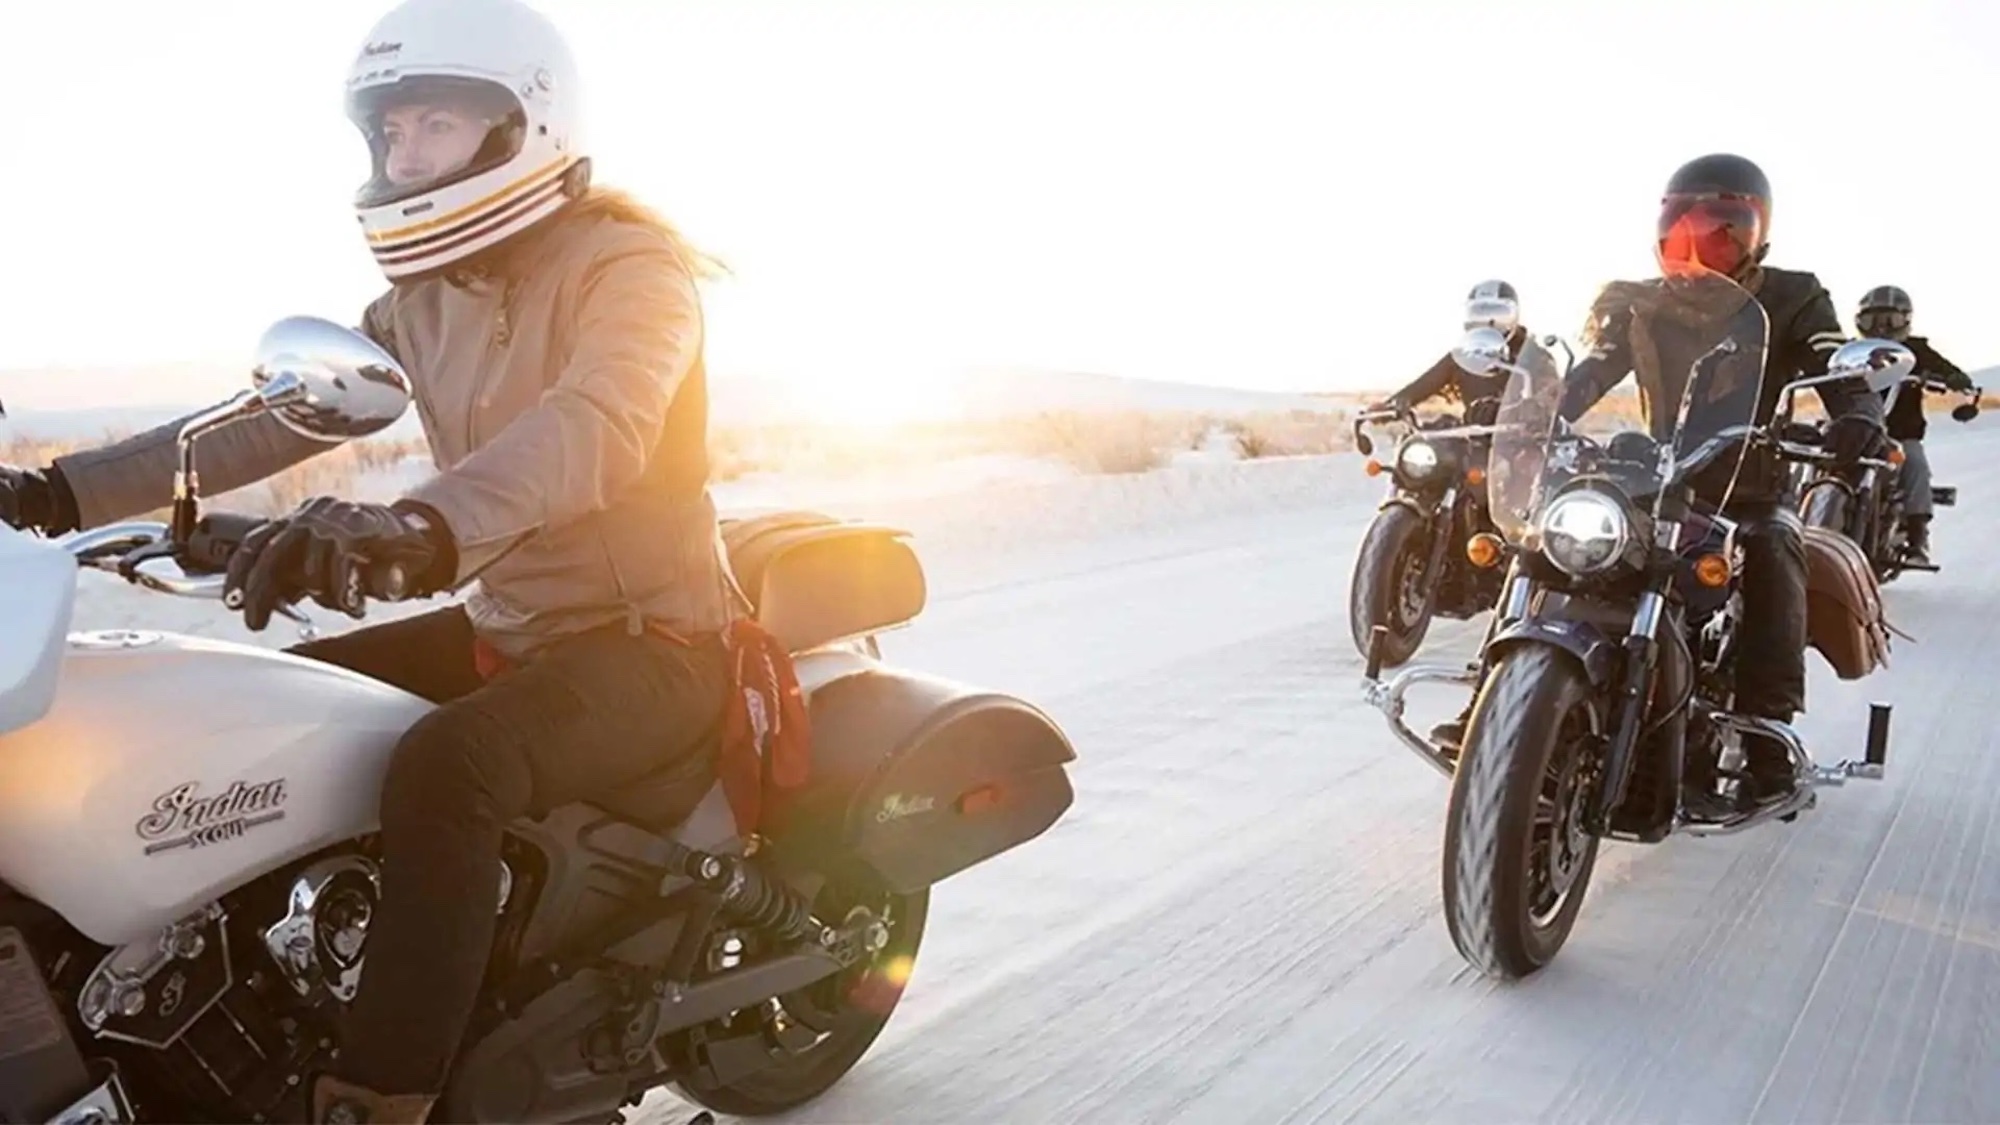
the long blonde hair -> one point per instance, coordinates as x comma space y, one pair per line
614, 203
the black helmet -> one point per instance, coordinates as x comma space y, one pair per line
1715, 214
1493, 303
1885, 313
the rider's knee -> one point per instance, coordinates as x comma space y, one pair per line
440, 763
1776, 539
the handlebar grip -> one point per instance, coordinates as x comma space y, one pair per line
214, 540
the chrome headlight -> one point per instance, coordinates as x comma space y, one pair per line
1417, 459
1585, 531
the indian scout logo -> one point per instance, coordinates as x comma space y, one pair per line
897, 806
181, 818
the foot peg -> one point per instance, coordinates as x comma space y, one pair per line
1944, 495
1877, 753
1874, 756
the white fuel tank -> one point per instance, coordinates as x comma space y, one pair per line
171, 769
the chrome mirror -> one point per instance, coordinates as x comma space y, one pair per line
321, 380
328, 382
1481, 352
1880, 363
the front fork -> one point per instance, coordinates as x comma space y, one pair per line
1444, 520
1641, 649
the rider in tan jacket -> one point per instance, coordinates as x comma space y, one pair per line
553, 336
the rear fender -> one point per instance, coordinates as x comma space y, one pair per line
916, 778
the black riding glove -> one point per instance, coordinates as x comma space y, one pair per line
1851, 437
334, 550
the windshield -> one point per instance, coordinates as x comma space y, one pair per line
1694, 343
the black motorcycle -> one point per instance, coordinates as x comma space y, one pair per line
1867, 503
1604, 700
1431, 550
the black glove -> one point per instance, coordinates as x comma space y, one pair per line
333, 550
27, 500
1851, 437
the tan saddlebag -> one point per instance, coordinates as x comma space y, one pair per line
1844, 615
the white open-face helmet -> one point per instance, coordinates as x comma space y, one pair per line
1493, 304
470, 112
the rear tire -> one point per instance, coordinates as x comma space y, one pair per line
863, 1000
1509, 908
1825, 506
1389, 567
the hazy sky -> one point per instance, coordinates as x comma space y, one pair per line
1258, 194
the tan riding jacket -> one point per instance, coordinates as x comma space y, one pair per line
564, 397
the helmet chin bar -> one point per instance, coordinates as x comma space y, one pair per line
506, 61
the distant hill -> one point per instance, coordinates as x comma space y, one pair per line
733, 400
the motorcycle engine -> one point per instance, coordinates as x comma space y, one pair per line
318, 944
229, 1015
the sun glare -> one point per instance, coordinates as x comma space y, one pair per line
875, 398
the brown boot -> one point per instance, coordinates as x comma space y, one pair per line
343, 1103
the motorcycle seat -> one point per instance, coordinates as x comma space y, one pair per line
812, 580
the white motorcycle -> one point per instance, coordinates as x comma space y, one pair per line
188, 859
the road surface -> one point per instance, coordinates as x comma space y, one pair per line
1239, 919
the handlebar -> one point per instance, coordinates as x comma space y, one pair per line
128, 549
1402, 414
1793, 451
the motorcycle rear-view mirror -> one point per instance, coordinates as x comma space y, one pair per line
1481, 352
1880, 363
326, 381
321, 380
1965, 412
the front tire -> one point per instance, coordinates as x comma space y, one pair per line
1515, 880
1389, 586
860, 1002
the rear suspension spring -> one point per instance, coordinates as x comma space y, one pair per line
748, 894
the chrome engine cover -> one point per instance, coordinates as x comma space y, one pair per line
321, 941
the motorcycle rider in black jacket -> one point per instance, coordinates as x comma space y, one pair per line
1716, 214
1885, 313
1489, 304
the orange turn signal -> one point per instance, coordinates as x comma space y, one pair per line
1483, 550
1896, 455
1712, 571
1475, 475
1372, 467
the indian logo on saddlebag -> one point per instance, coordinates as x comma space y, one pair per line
182, 818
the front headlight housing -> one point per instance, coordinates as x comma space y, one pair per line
1585, 531
1417, 459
